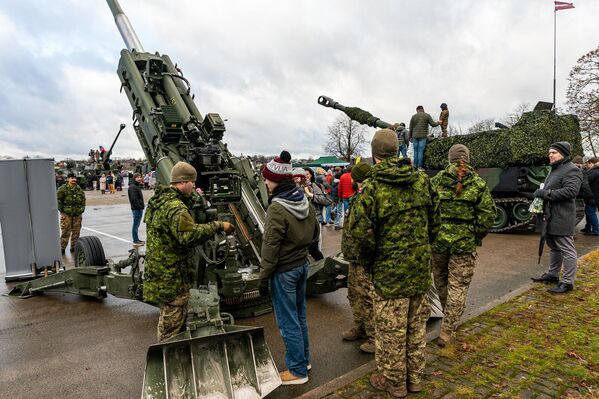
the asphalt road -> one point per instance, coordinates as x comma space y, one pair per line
60, 345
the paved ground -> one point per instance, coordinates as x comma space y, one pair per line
536, 345
59, 345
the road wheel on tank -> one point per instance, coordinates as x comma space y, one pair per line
89, 252
520, 211
501, 218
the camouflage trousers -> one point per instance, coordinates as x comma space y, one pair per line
400, 337
172, 317
70, 226
444, 131
359, 294
452, 275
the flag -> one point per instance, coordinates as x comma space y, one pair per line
562, 5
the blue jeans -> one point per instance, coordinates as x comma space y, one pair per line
402, 151
592, 224
419, 146
288, 291
137, 214
339, 214
327, 212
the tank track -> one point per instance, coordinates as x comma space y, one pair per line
513, 224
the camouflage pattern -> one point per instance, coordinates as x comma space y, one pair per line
444, 118
359, 294
400, 338
465, 219
172, 317
71, 200
349, 242
171, 236
392, 222
70, 226
452, 275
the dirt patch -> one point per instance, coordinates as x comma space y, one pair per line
95, 198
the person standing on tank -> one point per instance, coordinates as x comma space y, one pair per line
172, 235
71, 205
444, 120
394, 219
419, 124
289, 230
403, 138
559, 205
467, 213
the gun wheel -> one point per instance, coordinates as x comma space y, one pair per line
501, 218
89, 252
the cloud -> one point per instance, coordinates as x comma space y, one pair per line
263, 64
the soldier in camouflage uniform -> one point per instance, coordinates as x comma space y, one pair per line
172, 235
71, 204
467, 213
393, 221
359, 286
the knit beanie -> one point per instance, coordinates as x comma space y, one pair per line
384, 144
298, 172
562, 146
279, 169
360, 172
458, 152
182, 172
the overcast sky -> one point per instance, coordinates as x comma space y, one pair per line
263, 64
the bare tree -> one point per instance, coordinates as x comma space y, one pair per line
346, 138
512, 117
583, 97
482, 126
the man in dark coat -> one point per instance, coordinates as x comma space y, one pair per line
559, 203
136, 199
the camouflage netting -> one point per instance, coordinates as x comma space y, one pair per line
525, 143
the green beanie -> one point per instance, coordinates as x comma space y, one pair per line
384, 144
182, 172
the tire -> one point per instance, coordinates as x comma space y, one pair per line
501, 218
89, 252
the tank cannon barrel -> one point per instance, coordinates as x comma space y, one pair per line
125, 28
354, 113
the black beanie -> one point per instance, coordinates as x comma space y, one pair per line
562, 146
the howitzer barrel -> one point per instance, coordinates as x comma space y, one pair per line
354, 113
125, 28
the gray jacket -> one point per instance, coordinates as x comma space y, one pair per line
561, 188
403, 136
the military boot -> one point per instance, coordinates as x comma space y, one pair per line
354, 334
380, 382
444, 339
368, 346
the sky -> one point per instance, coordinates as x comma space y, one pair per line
262, 64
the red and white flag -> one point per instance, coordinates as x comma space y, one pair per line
562, 5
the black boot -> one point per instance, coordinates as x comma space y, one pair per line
546, 278
561, 288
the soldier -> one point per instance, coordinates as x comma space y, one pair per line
71, 204
359, 286
467, 213
444, 120
289, 229
171, 236
394, 219
419, 124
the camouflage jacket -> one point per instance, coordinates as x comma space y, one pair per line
172, 235
465, 219
349, 243
392, 221
71, 200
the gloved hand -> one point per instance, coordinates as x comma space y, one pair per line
264, 288
540, 193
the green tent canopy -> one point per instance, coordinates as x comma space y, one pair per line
328, 161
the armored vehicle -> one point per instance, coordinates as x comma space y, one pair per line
513, 161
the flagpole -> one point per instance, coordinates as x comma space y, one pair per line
554, 46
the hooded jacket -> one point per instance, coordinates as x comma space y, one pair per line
465, 218
394, 219
289, 229
172, 235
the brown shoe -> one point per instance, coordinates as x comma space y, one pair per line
353, 334
289, 379
368, 346
378, 381
414, 387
